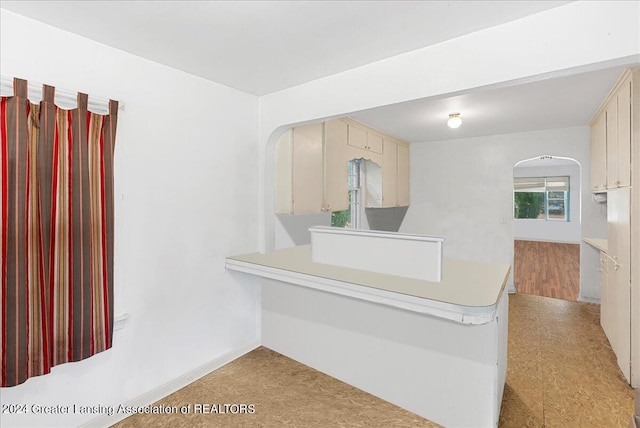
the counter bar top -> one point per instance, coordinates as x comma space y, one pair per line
468, 293
599, 243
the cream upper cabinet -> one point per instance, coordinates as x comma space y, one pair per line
364, 144
283, 158
599, 154
307, 169
374, 143
389, 174
612, 143
624, 135
618, 135
364, 140
299, 170
403, 175
357, 137
336, 171
395, 174
311, 167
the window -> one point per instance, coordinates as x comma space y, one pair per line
350, 218
541, 198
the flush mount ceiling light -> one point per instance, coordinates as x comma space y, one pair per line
454, 120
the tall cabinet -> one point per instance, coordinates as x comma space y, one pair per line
615, 169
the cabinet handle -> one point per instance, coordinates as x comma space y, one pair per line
616, 267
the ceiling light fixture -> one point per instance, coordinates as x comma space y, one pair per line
454, 120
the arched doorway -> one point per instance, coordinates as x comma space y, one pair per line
547, 226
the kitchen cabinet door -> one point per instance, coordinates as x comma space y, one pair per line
283, 158
619, 137
336, 180
357, 137
374, 143
599, 154
307, 169
403, 176
619, 276
623, 150
389, 174
612, 143
607, 305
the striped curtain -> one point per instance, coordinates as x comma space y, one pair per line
57, 233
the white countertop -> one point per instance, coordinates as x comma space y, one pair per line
599, 243
469, 291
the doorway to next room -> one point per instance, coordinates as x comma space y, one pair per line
547, 227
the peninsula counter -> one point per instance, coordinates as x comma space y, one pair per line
438, 349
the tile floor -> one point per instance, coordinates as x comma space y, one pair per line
561, 373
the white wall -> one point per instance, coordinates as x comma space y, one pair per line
186, 197
463, 190
551, 230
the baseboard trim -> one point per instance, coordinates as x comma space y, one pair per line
173, 385
547, 240
588, 300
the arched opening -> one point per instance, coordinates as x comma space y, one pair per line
547, 226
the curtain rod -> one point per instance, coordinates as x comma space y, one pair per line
63, 97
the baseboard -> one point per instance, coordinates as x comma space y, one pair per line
553, 241
511, 289
173, 385
588, 300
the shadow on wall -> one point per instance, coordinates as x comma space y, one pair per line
293, 230
386, 219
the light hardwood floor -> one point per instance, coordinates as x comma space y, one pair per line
561, 373
547, 269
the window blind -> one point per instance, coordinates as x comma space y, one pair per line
540, 184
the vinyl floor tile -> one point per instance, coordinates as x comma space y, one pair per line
561, 373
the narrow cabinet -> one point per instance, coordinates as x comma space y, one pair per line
607, 305
623, 153
403, 175
395, 174
389, 174
618, 134
336, 170
619, 276
299, 170
611, 113
599, 153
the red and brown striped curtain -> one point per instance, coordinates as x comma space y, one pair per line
57, 233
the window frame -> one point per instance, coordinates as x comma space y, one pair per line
544, 180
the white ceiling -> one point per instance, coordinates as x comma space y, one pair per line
265, 46
548, 104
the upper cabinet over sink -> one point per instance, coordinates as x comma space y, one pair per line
311, 171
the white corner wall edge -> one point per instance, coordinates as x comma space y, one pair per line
173, 385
